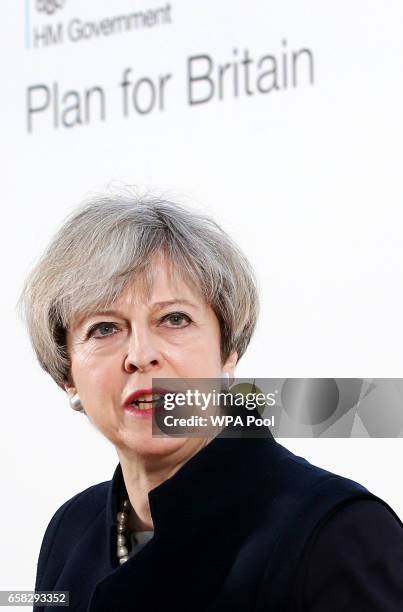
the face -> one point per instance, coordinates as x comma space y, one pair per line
174, 334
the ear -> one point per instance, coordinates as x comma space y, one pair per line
229, 365
70, 389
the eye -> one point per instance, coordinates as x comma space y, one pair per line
177, 319
105, 329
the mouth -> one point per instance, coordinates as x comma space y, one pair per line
144, 402
147, 402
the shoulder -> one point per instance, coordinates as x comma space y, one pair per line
298, 478
70, 521
354, 557
79, 508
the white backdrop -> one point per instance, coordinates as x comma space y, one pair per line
302, 167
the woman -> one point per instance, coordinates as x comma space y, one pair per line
133, 289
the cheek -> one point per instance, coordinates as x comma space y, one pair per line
93, 377
200, 358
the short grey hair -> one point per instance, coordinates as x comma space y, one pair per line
108, 242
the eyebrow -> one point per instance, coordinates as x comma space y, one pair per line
155, 306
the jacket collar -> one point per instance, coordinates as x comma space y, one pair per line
206, 486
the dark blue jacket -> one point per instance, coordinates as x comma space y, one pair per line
243, 525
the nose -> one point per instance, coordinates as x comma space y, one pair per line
142, 352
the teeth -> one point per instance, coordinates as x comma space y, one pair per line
144, 402
143, 406
148, 398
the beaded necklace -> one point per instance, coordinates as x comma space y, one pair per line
123, 535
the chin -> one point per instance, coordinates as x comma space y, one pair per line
147, 446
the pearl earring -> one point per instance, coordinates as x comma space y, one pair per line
76, 403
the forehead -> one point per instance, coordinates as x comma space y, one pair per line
162, 283
157, 286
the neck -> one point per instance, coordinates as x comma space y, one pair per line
141, 474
